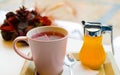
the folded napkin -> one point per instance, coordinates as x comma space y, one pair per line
75, 30
79, 69
2, 16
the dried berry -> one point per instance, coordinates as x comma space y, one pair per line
8, 35
20, 22
9, 14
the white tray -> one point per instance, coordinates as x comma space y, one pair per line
108, 68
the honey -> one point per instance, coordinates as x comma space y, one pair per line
92, 53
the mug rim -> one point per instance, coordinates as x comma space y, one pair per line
65, 35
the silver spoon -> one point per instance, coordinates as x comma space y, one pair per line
70, 61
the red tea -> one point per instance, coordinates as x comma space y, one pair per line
48, 35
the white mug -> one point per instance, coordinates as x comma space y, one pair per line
47, 54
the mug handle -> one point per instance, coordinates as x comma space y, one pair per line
21, 38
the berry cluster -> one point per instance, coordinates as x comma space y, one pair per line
20, 22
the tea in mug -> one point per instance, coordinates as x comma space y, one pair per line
48, 35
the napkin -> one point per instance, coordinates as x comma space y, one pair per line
75, 30
2, 16
79, 69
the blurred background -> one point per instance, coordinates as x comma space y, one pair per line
105, 11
